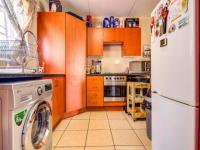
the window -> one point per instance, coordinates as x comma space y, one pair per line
3, 25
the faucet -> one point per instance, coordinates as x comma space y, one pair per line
24, 59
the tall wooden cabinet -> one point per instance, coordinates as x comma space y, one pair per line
51, 41
62, 49
75, 64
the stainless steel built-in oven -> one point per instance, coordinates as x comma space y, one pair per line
115, 88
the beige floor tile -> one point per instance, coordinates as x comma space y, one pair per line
138, 124
129, 148
78, 125
100, 148
115, 115
73, 138
63, 124
99, 138
143, 137
98, 115
85, 115
119, 124
125, 137
56, 137
148, 147
98, 124
69, 148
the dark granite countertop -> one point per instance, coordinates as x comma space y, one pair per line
119, 74
27, 75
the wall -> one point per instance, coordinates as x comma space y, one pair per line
112, 61
146, 31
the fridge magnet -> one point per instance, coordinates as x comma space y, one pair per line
184, 21
184, 6
172, 28
165, 13
163, 42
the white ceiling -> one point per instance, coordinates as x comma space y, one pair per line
119, 8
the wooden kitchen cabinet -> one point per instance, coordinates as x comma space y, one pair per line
95, 91
94, 42
62, 47
75, 64
113, 35
132, 42
58, 99
51, 41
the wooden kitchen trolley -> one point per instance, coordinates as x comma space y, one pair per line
135, 97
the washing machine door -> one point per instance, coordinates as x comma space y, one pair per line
37, 129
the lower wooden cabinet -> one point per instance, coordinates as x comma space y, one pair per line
95, 91
58, 99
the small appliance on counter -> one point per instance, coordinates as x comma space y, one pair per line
94, 67
140, 66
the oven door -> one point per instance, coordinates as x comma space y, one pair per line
115, 92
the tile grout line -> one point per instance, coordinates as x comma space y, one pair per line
111, 131
87, 131
134, 131
63, 132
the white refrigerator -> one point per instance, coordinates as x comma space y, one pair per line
175, 75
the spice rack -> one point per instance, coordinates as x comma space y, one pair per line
135, 97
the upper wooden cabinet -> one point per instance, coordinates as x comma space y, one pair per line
113, 35
51, 41
132, 42
130, 38
95, 42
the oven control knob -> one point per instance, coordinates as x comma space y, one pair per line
106, 78
39, 91
110, 78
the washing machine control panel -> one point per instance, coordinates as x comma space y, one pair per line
39, 90
48, 87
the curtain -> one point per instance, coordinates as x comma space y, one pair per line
20, 13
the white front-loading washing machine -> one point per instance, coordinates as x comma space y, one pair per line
26, 115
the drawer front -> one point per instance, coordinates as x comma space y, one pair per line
95, 83
94, 99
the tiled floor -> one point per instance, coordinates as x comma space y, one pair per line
112, 130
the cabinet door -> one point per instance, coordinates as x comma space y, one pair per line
58, 99
95, 91
132, 42
51, 41
95, 42
55, 103
75, 64
113, 35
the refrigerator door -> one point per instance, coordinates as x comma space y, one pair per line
174, 125
173, 66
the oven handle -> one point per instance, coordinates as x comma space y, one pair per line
115, 83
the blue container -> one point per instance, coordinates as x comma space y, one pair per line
106, 23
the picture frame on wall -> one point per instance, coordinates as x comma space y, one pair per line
147, 51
